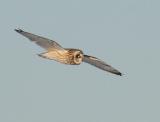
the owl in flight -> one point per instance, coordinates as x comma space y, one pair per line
70, 56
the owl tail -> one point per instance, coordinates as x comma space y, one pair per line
43, 55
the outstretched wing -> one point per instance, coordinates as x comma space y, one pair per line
100, 64
41, 41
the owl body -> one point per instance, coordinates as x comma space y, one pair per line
67, 56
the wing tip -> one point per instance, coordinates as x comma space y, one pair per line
19, 30
119, 73
116, 72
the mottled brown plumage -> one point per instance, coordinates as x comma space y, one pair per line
70, 56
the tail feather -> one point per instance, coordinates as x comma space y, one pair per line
45, 55
42, 55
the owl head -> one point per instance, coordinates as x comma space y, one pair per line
78, 56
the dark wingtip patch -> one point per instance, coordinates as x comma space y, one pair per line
117, 73
19, 30
120, 74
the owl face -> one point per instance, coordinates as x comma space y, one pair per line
77, 57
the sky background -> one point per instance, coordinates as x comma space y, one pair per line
124, 33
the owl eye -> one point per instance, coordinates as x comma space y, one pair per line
78, 56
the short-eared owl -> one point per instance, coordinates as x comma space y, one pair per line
56, 52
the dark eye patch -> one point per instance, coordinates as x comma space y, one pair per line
78, 56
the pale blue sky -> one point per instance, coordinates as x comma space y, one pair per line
124, 33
